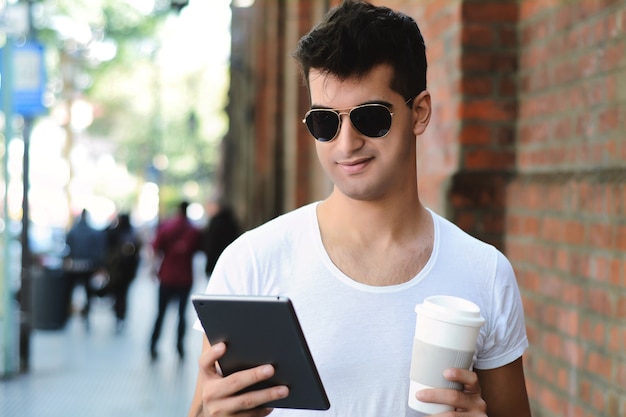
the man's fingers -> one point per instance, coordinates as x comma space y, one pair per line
465, 377
240, 380
451, 397
468, 398
209, 357
221, 395
234, 383
255, 399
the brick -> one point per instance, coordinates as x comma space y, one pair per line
609, 119
506, 62
507, 36
478, 62
477, 85
488, 159
552, 401
487, 110
613, 404
616, 272
574, 294
466, 220
599, 268
475, 134
531, 226
473, 35
592, 332
562, 377
507, 86
600, 365
620, 309
617, 339
551, 229
568, 322
562, 259
490, 12
601, 235
562, 129
532, 281
621, 375
584, 390
531, 8
599, 301
573, 353
598, 399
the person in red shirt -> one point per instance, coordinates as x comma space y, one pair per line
176, 242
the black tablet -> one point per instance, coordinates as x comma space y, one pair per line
263, 330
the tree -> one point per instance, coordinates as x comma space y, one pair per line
115, 54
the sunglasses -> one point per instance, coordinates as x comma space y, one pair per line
371, 120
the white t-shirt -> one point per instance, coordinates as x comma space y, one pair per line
361, 336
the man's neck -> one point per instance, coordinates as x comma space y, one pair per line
381, 219
375, 243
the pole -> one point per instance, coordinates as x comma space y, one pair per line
9, 329
26, 287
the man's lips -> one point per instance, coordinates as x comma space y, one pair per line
354, 166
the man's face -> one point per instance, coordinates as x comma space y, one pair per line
361, 167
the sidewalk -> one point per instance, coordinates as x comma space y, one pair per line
98, 373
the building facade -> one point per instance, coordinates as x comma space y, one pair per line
526, 150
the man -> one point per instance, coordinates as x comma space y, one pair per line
220, 231
356, 263
87, 247
122, 262
175, 244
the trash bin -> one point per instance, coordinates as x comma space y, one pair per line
49, 298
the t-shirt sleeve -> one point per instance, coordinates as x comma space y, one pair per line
233, 272
505, 339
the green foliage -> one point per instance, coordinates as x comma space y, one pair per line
142, 108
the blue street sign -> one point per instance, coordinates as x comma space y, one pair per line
28, 78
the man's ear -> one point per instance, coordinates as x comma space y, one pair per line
421, 110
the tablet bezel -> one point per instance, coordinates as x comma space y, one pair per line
260, 330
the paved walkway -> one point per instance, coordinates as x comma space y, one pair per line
98, 373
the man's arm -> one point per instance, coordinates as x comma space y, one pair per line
504, 390
195, 410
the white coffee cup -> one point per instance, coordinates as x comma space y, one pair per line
446, 329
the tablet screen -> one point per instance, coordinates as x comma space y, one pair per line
264, 330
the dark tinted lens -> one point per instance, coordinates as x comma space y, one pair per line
323, 124
371, 120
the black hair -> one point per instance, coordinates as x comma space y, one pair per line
356, 36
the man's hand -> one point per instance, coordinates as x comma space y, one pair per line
467, 402
219, 394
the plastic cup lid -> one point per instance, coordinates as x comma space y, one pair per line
451, 309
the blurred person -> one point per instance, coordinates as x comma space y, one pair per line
122, 261
86, 250
176, 242
221, 230
370, 251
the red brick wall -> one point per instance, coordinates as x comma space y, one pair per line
438, 150
467, 154
266, 108
526, 150
272, 164
487, 115
566, 208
